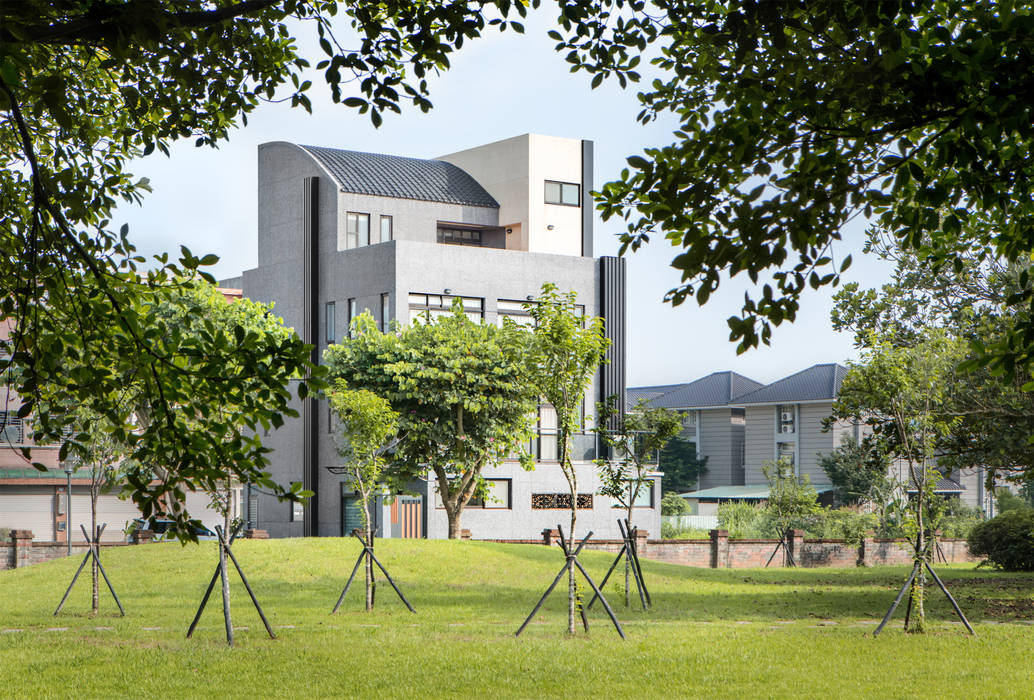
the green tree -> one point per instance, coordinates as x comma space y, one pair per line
633, 446
681, 464
790, 498
563, 359
903, 393
672, 504
795, 118
461, 392
970, 301
85, 88
858, 470
369, 426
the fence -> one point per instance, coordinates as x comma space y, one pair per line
687, 522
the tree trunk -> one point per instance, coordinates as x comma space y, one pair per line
453, 514
628, 554
228, 514
368, 525
94, 569
572, 481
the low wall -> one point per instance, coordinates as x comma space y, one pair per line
720, 552
21, 551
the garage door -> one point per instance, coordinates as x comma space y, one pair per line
28, 508
110, 509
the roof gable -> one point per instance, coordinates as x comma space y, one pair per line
400, 177
817, 383
716, 389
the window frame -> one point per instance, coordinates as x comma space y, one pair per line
356, 216
391, 228
562, 191
330, 322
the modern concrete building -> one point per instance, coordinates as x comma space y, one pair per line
342, 232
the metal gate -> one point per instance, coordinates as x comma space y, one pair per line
407, 517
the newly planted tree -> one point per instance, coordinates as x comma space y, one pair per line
903, 392
633, 446
368, 427
563, 359
790, 498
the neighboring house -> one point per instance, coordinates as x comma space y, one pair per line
711, 422
785, 421
38, 500
342, 232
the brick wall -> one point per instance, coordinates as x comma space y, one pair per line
719, 552
21, 551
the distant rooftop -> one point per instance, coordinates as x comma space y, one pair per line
716, 389
404, 178
817, 383
635, 394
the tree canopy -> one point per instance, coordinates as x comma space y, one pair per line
461, 392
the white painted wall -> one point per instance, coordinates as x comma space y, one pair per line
514, 171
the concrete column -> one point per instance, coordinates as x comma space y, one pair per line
21, 542
719, 549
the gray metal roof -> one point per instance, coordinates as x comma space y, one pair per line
635, 394
716, 389
817, 383
405, 178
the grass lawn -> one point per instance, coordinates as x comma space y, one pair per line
711, 634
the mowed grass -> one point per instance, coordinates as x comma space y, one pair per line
711, 633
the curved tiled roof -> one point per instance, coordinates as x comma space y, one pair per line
817, 383
405, 178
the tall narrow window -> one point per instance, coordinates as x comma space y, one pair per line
330, 322
386, 231
385, 312
785, 415
351, 315
357, 230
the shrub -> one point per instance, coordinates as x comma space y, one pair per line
1007, 541
672, 504
740, 518
1006, 500
959, 520
5, 534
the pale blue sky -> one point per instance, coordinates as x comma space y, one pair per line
498, 87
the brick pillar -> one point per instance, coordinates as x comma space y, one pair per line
21, 542
719, 549
142, 536
254, 534
550, 537
640, 541
795, 543
867, 552
464, 534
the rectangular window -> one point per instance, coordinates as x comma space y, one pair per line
352, 313
567, 193
12, 431
459, 236
386, 231
252, 508
514, 311
385, 312
330, 322
499, 493
786, 452
297, 512
785, 418
357, 229
559, 501
644, 499
689, 419
428, 307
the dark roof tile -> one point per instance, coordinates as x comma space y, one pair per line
817, 383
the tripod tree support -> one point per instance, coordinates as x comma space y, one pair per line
94, 552
225, 555
916, 569
630, 553
790, 561
368, 552
572, 561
